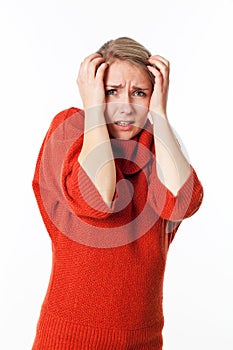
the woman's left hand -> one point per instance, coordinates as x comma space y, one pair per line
160, 69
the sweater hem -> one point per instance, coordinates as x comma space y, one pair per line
60, 334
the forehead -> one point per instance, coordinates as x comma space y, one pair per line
123, 71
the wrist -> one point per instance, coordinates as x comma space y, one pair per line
94, 117
155, 114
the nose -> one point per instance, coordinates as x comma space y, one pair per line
125, 104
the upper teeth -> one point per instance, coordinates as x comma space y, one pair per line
123, 123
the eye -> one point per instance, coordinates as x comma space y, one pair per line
110, 92
139, 93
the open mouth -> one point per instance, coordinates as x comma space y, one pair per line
123, 123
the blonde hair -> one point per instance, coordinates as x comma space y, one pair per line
127, 49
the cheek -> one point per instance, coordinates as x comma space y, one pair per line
141, 113
110, 110
142, 105
147, 102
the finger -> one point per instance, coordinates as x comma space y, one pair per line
89, 67
101, 71
160, 58
87, 60
91, 57
93, 65
158, 75
162, 67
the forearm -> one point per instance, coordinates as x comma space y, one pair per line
172, 166
96, 156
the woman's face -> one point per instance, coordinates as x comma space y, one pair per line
128, 90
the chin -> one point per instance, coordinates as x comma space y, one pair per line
123, 135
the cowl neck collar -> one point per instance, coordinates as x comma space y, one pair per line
133, 155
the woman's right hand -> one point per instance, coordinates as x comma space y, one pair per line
91, 81
99, 166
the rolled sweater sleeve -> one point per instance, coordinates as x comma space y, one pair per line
175, 207
62, 188
80, 192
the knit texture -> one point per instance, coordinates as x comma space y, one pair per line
106, 285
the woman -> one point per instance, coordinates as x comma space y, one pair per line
112, 186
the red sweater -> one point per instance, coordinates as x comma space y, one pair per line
106, 284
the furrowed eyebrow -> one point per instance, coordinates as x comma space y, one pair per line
139, 88
120, 86
114, 85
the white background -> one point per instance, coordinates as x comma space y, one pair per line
42, 44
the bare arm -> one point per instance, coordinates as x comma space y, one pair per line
173, 167
96, 156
